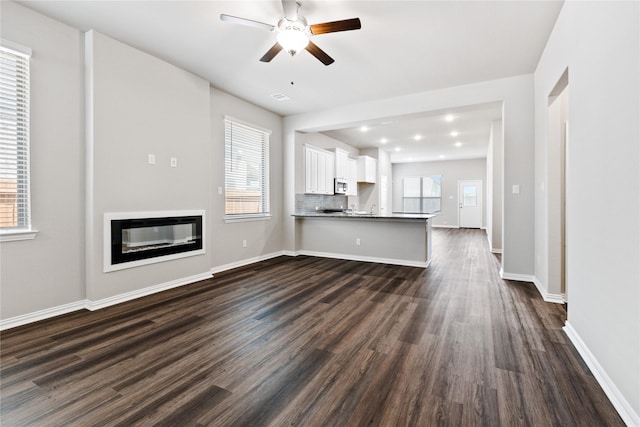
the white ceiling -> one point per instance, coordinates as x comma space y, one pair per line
403, 47
459, 133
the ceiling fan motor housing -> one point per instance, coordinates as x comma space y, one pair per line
293, 36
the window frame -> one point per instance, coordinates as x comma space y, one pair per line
20, 146
419, 193
264, 172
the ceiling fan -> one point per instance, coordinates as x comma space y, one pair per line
293, 32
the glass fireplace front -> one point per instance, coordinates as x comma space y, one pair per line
142, 238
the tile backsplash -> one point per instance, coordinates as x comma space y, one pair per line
309, 202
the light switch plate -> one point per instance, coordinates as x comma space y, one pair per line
174, 162
516, 189
151, 159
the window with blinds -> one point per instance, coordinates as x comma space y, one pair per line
422, 194
246, 171
14, 138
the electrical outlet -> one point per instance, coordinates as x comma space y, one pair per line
151, 159
174, 162
220, 190
358, 241
244, 243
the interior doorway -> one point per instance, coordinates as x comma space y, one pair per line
470, 204
557, 188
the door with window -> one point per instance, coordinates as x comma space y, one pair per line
470, 204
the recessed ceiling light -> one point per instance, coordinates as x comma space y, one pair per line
363, 128
454, 133
397, 149
410, 158
458, 144
418, 137
384, 140
442, 156
449, 117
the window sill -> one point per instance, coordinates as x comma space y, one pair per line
15, 235
230, 219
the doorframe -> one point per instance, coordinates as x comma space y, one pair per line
481, 186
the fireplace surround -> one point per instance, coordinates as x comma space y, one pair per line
132, 239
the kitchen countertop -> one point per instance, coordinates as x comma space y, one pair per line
406, 216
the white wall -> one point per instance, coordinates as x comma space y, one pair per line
264, 237
49, 271
138, 105
516, 93
451, 171
599, 43
494, 187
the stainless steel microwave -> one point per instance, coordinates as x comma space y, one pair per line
340, 186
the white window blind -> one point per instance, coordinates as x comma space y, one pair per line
14, 139
246, 166
422, 194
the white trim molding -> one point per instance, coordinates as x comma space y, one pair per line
128, 296
624, 408
392, 261
248, 261
443, 226
546, 296
36, 316
491, 248
95, 305
17, 235
108, 266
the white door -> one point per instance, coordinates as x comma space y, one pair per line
470, 204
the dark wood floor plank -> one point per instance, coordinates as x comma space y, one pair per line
311, 341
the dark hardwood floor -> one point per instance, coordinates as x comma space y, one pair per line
312, 342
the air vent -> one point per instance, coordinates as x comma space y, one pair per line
280, 97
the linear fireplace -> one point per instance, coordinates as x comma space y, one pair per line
133, 239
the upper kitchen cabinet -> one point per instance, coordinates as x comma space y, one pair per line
319, 170
367, 169
341, 163
352, 177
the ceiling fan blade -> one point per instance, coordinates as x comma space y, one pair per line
271, 53
322, 56
247, 22
290, 9
335, 26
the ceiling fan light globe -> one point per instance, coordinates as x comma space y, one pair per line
292, 40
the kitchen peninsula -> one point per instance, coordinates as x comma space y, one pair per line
401, 239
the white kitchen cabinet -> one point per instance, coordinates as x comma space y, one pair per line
319, 170
341, 163
367, 169
352, 177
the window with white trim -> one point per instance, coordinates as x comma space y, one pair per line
246, 170
422, 194
14, 138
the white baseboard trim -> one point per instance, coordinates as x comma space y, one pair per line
366, 259
444, 226
515, 276
36, 316
48, 313
626, 412
248, 261
491, 248
546, 296
128, 296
